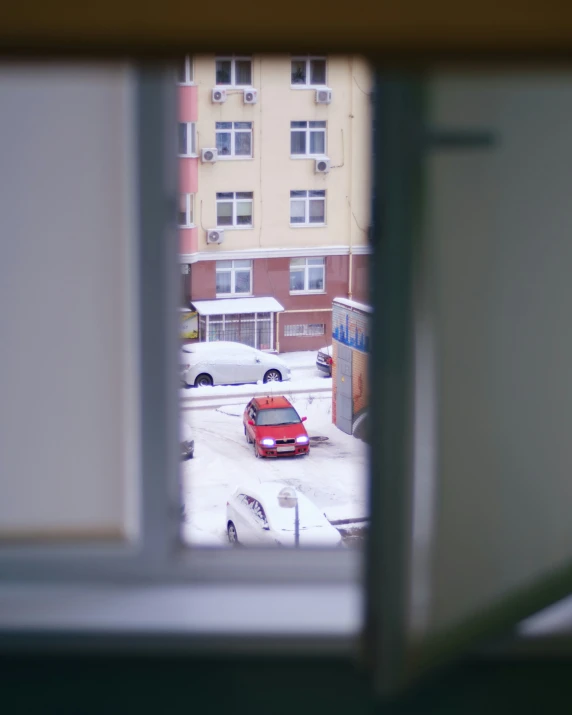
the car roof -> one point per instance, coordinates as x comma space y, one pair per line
216, 346
267, 494
272, 402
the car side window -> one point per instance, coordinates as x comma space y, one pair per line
257, 509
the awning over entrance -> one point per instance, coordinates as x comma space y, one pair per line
234, 306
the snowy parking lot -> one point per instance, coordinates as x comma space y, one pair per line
333, 475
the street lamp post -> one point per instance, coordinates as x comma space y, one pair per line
287, 499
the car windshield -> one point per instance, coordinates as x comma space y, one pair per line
278, 416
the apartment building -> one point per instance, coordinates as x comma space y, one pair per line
275, 195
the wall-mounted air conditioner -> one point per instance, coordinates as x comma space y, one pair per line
209, 156
215, 235
250, 95
322, 166
219, 95
323, 96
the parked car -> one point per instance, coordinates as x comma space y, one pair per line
324, 360
255, 517
187, 443
229, 363
275, 428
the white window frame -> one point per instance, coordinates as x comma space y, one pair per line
307, 200
233, 131
189, 66
189, 211
233, 269
308, 59
234, 200
233, 59
306, 290
308, 130
190, 139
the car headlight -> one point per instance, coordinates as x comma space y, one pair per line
267, 442
302, 439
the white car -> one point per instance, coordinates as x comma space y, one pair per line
324, 360
255, 518
228, 363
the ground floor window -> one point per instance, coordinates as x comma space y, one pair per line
254, 329
304, 330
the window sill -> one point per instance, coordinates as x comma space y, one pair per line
307, 292
309, 156
188, 156
310, 86
188, 225
235, 228
186, 84
234, 158
308, 225
234, 86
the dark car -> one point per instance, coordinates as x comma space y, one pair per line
274, 427
324, 360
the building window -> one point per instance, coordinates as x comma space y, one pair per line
308, 138
308, 208
185, 71
187, 139
234, 71
307, 275
233, 278
234, 208
254, 329
234, 139
186, 210
304, 331
308, 71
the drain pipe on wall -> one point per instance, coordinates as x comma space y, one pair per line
301, 310
351, 164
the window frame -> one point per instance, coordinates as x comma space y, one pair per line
192, 126
189, 66
233, 131
306, 290
308, 59
233, 270
233, 59
308, 130
189, 211
307, 201
234, 226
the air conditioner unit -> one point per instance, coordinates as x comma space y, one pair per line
323, 96
215, 235
209, 156
219, 95
250, 95
322, 166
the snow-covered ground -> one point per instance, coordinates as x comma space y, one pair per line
333, 476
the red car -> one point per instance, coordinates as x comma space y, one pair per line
274, 427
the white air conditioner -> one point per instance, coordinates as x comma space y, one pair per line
209, 156
219, 95
215, 235
322, 166
323, 96
250, 95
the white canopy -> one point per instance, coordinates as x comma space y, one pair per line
232, 306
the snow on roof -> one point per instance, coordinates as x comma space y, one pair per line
232, 306
354, 304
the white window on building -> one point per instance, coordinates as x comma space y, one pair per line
308, 71
234, 209
187, 139
234, 139
307, 138
233, 278
307, 208
234, 71
307, 275
186, 210
185, 71
254, 329
305, 330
